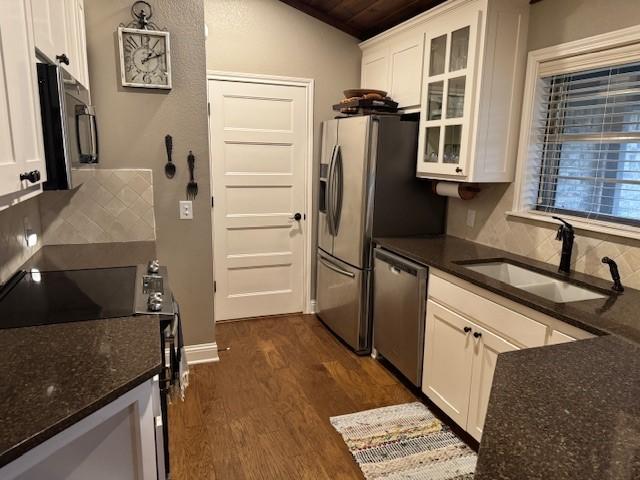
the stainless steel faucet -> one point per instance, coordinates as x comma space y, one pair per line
566, 234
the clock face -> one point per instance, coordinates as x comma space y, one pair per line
145, 58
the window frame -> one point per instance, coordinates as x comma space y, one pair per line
617, 47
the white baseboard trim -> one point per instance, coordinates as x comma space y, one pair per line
200, 353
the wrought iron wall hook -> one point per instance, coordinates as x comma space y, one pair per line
141, 12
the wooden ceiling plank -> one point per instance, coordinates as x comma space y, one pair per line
402, 14
324, 17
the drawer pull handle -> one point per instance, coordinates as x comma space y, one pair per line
467, 329
477, 334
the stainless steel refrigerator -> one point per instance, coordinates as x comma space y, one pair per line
368, 188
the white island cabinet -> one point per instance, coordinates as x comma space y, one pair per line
467, 327
118, 441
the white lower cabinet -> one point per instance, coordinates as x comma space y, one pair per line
448, 361
485, 356
460, 357
467, 328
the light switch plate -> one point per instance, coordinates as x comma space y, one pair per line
186, 210
471, 218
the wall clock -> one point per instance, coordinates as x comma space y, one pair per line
145, 58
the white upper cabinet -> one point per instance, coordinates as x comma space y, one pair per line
21, 148
395, 66
60, 35
375, 70
461, 65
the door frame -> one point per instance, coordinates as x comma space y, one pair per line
308, 84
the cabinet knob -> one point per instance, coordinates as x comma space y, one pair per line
458, 170
31, 177
477, 334
466, 329
62, 58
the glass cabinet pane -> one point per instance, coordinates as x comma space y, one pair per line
434, 100
437, 55
433, 145
459, 49
455, 97
452, 135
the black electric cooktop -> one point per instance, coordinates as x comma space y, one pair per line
41, 298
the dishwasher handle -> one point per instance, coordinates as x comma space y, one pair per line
399, 265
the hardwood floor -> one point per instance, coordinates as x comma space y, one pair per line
263, 411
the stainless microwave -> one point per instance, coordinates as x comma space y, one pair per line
69, 126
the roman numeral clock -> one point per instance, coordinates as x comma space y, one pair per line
145, 52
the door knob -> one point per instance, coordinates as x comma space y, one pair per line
31, 177
297, 217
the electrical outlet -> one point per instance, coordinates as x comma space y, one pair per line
186, 210
471, 218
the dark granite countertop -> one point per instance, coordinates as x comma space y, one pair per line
556, 412
55, 375
614, 314
564, 412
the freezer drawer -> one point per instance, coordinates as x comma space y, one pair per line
399, 303
343, 301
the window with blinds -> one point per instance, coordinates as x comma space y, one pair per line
588, 141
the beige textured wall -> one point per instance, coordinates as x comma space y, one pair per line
270, 37
132, 126
553, 22
13, 247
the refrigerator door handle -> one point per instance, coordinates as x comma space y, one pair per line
330, 192
339, 186
335, 268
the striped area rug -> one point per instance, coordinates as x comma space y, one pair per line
405, 442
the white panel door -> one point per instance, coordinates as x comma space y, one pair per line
448, 360
488, 346
20, 128
258, 153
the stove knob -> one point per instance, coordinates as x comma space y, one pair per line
154, 266
154, 306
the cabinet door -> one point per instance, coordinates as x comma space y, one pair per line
487, 347
82, 61
448, 87
375, 70
448, 360
405, 58
20, 128
50, 27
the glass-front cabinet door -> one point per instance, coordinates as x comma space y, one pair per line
448, 80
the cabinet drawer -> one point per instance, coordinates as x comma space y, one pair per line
509, 324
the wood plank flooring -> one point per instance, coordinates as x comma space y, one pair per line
263, 411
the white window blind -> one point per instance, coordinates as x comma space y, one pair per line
587, 145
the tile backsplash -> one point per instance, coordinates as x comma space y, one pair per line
537, 240
106, 206
13, 245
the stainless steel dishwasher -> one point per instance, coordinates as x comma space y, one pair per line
399, 303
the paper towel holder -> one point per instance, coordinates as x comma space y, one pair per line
463, 191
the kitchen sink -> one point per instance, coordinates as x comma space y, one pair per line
545, 286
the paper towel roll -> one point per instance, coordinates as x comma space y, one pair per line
448, 189
456, 190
